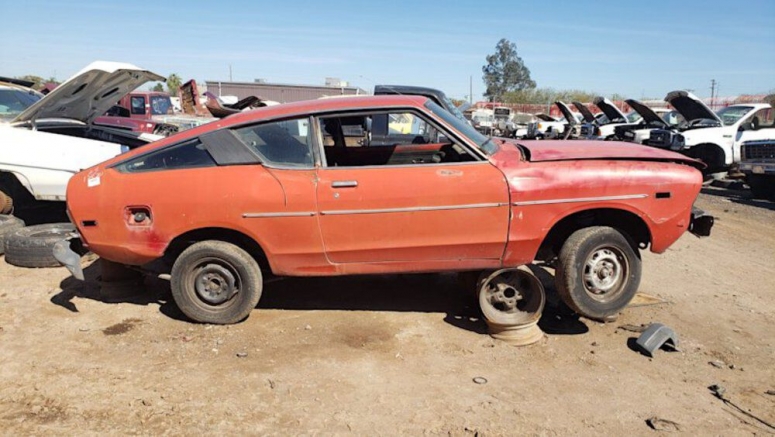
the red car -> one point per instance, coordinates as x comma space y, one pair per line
384, 184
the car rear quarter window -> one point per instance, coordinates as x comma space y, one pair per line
191, 154
283, 143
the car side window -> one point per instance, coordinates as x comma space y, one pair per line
191, 154
387, 138
138, 105
284, 143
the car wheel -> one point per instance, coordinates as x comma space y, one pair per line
216, 282
33, 246
510, 297
598, 272
8, 225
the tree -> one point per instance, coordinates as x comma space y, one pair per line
158, 87
770, 98
547, 95
173, 84
505, 72
36, 80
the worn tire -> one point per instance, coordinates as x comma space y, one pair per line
8, 225
6, 203
33, 246
189, 282
588, 258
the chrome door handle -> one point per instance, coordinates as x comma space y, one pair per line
344, 184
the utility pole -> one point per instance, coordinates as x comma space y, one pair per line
230, 78
471, 89
712, 93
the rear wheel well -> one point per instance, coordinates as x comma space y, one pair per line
630, 225
248, 244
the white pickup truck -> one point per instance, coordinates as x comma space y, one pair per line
712, 137
48, 140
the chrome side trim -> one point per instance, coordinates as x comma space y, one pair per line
581, 199
276, 214
411, 209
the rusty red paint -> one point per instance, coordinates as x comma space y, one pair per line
485, 214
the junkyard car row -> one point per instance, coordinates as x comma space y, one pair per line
399, 182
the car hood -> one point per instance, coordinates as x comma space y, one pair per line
648, 114
566, 112
574, 150
609, 109
89, 93
589, 117
690, 106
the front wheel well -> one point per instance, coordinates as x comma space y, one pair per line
711, 154
629, 224
248, 244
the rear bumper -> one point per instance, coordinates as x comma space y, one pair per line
701, 223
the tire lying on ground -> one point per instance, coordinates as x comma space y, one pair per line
33, 246
8, 224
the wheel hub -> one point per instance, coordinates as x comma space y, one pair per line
215, 284
603, 271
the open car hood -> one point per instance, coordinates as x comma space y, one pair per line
89, 93
648, 114
690, 106
609, 109
589, 117
566, 112
572, 150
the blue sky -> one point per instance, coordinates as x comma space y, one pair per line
639, 49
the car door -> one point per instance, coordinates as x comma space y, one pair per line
407, 202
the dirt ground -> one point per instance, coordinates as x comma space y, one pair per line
398, 354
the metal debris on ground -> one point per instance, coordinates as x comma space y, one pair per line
632, 328
717, 364
480, 380
719, 391
770, 392
242, 354
655, 337
659, 424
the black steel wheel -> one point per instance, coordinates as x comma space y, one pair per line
216, 282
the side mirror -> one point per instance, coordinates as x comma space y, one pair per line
747, 125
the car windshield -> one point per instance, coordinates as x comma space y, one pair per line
13, 101
633, 117
731, 114
161, 105
461, 126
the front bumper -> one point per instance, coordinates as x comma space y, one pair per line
765, 168
68, 252
700, 223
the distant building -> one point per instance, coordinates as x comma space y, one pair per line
283, 93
